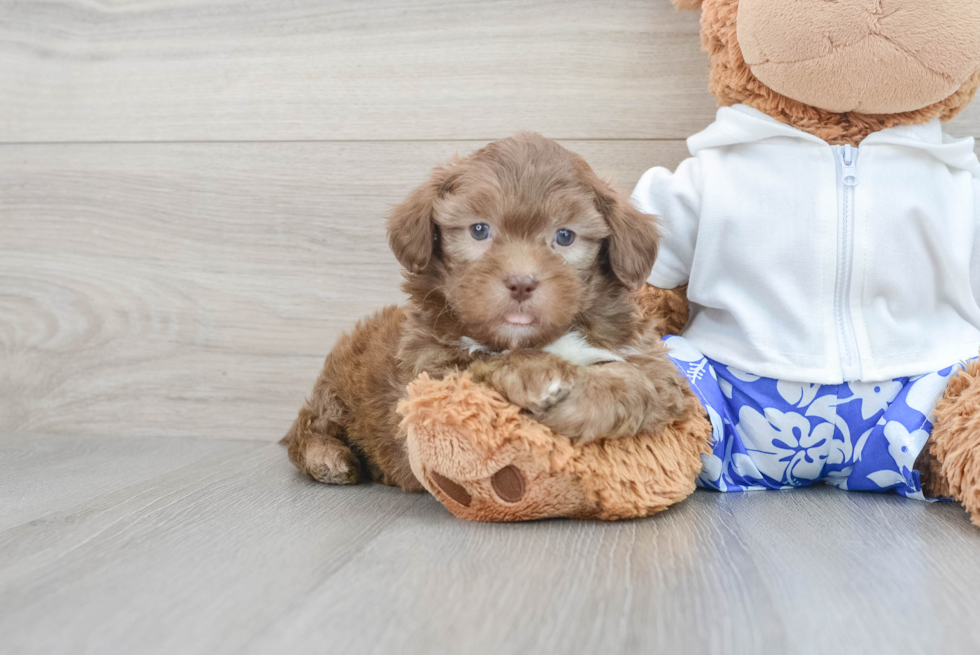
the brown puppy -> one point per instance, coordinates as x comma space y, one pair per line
520, 266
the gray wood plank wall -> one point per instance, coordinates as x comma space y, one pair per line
192, 193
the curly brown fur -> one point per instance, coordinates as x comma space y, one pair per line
639, 395
348, 414
732, 82
950, 466
491, 305
667, 308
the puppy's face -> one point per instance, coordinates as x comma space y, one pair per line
519, 269
518, 239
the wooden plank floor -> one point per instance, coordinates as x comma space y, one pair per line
142, 545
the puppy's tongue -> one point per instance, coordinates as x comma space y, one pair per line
519, 319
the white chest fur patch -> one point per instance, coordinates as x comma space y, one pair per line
573, 348
472, 346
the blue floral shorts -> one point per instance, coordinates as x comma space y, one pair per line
772, 434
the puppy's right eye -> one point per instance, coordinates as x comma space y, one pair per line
479, 231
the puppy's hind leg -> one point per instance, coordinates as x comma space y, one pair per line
316, 445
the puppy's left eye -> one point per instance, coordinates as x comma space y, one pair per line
564, 237
479, 231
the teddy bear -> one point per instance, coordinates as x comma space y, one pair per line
817, 284
487, 460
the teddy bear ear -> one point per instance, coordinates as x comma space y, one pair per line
687, 4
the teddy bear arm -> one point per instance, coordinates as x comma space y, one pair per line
667, 309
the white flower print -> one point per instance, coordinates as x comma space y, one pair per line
781, 434
717, 426
725, 386
711, 468
680, 348
694, 363
887, 478
744, 466
742, 375
874, 396
926, 392
840, 451
904, 446
799, 394
825, 407
859, 446
783, 445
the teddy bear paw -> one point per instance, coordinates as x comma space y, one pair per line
508, 485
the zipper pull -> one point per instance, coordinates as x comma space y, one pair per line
849, 173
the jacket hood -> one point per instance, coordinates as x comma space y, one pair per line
741, 124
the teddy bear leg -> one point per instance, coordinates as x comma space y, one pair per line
485, 459
950, 464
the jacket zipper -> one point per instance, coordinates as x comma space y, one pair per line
847, 180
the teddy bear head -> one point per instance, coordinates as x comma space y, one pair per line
846, 68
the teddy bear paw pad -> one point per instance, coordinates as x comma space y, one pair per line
452, 489
509, 484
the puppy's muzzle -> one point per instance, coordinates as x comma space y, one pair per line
521, 286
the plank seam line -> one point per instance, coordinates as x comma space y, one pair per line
337, 141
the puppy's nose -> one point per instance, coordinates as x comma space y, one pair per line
521, 286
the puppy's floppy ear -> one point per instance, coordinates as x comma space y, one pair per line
411, 224
633, 244
687, 4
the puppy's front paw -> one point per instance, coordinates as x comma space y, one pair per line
537, 392
556, 391
576, 420
534, 384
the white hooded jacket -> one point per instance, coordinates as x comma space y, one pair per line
818, 263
